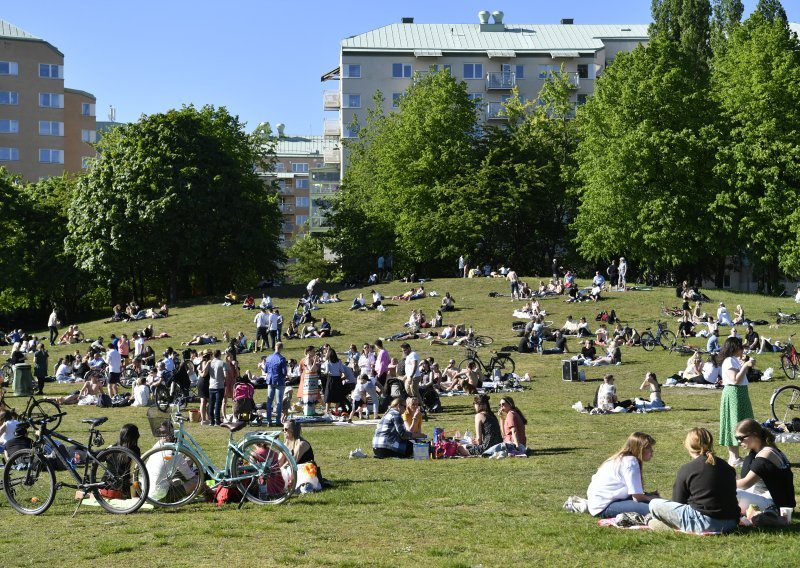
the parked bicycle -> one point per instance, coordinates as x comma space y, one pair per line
501, 361
114, 476
259, 465
785, 403
36, 409
782, 317
663, 337
789, 359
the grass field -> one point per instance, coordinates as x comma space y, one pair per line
469, 512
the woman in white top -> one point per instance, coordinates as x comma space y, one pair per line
711, 370
618, 485
735, 403
694, 367
650, 382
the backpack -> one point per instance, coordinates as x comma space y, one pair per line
226, 494
104, 401
242, 390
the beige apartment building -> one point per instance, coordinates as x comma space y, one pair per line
492, 57
45, 128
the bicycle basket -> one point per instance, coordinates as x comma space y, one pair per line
160, 422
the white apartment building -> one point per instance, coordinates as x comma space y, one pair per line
492, 57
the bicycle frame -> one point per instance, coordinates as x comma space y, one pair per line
48, 436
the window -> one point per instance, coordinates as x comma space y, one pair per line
9, 126
300, 219
352, 72
48, 71
9, 98
281, 184
301, 201
352, 131
51, 128
48, 156
517, 70
9, 154
89, 136
583, 71
301, 183
401, 70
280, 167
351, 101
87, 109
9, 68
51, 100
396, 99
300, 168
582, 99
473, 70
546, 71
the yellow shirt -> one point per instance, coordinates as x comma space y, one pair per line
413, 424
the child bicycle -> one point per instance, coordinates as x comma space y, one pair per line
114, 476
259, 465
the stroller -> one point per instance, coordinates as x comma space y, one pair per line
244, 406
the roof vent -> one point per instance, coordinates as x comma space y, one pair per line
498, 17
567, 21
496, 26
483, 17
407, 20
281, 127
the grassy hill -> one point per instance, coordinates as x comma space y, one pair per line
440, 513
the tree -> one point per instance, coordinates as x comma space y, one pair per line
726, 16
772, 10
645, 161
173, 203
309, 255
11, 234
757, 84
685, 22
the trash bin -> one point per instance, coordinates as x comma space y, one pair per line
23, 380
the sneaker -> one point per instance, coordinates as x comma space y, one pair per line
205, 423
357, 453
657, 525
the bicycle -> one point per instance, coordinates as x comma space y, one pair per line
114, 476
790, 363
663, 337
501, 361
6, 373
36, 409
785, 403
262, 468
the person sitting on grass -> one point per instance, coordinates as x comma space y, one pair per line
704, 493
141, 393
613, 356
467, 380
412, 417
301, 449
249, 303
650, 382
392, 439
618, 485
170, 479
448, 303
487, 429
561, 344
358, 302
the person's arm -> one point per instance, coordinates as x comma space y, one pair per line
737, 376
748, 480
513, 428
478, 440
400, 426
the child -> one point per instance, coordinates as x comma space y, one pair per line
607, 394
8, 427
359, 395
655, 401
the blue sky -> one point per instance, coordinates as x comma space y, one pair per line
260, 59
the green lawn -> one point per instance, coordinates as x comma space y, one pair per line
465, 512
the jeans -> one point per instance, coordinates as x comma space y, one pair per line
625, 506
215, 405
53, 334
684, 518
273, 337
272, 391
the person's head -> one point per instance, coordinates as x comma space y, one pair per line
472, 365
638, 445
378, 343
217, 354
40, 347
398, 404
129, 437
310, 351
700, 442
366, 348
279, 347
650, 377
753, 436
413, 404
481, 403
406, 348
332, 356
608, 379
166, 432
291, 429
732, 348
749, 329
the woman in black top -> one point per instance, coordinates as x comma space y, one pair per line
487, 428
767, 479
704, 494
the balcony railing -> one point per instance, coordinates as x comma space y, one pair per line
286, 208
495, 111
573, 79
333, 156
330, 128
331, 100
318, 189
501, 81
286, 190
287, 227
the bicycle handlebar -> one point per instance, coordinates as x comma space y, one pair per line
44, 420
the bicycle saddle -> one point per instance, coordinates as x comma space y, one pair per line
234, 426
95, 421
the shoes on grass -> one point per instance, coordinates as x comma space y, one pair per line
357, 453
576, 504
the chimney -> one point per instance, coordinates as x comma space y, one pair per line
485, 26
407, 21
281, 126
567, 21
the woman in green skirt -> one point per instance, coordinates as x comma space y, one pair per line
735, 404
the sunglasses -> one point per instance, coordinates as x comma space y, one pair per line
741, 439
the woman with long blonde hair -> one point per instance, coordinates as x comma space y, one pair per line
704, 494
618, 485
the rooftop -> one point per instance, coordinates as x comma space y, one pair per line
303, 145
10, 30
530, 38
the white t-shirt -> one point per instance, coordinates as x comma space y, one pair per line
162, 471
409, 364
710, 372
735, 364
360, 391
141, 395
114, 360
614, 481
138, 346
64, 372
606, 395
10, 431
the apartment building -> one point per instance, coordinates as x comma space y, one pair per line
303, 182
491, 56
46, 129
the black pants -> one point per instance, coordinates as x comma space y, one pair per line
381, 453
40, 384
53, 334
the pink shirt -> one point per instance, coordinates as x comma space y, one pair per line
514, 421
381, 362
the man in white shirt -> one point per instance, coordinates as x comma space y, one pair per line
273, 328
413, 374
138, 344
52, 325
114, 361
262, 323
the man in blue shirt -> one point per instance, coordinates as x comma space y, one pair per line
713, 342
276, 380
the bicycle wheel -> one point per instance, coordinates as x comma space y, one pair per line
465, 363
667, 339
129, 377
271, 471
6, 374
175, 476
785, 403
482, 340
41, 409
122, 478
648, 341
789, 368
162, 398
29, 483
101, 378
505, 364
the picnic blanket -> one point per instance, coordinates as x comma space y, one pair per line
691, 385
372, 422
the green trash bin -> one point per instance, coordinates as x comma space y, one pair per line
23, 380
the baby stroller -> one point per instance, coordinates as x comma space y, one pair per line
430, 399
244, 407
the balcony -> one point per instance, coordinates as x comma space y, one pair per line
287, 227
333, 156
285, 190
330, 128
323, 189
331, 100
500, 81
496, 111
286, 208
573, 79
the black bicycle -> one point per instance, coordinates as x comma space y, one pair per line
663, 337
36, 409
500, 361
114, 476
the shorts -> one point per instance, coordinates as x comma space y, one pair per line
261, 333
113, 378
